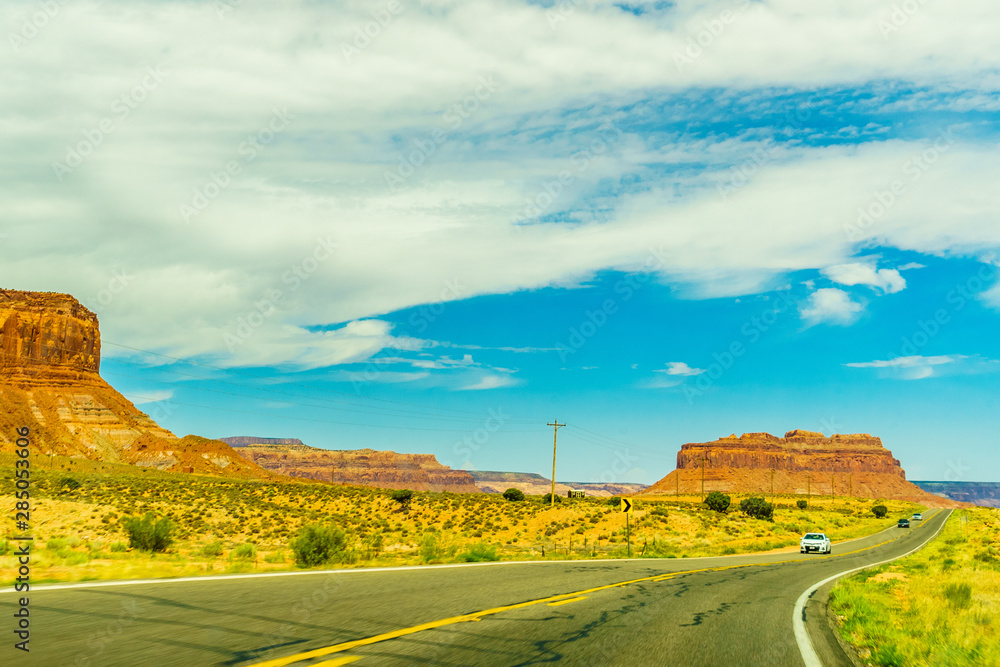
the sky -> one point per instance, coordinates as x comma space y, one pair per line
439, 226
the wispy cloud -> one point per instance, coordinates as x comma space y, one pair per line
831, 305
914, 367
860, 273
679, 368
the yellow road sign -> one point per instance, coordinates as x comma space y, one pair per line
627, 505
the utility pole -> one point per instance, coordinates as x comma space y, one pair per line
809, 481
772, 485
555, 432
703, 459
850, 485
833, 487
677, 479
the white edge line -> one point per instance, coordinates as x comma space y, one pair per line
400, 568
809, 656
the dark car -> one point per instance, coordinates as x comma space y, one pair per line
904, 523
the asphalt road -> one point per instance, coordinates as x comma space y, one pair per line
734, 610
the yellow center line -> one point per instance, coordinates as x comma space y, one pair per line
558, 599
556, 604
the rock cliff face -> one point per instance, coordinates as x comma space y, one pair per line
985, 494
492, 481
48, 339
801, 462
50, 357
364, 467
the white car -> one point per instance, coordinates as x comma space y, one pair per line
918, 517
818, 542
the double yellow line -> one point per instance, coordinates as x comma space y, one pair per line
554, 600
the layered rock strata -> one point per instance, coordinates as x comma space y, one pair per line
363, 467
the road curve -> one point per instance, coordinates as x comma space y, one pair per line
732, 610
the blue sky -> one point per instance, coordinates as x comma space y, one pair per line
656, 222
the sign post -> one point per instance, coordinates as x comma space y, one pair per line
626, 506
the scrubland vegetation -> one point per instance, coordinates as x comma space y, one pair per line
123, 524
940, 606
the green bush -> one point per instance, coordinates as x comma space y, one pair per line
880, 511
429, 548
212, 550
615, 501
118, 547
757, 508
479, 553
958, 595
148, 533
69, 483
244, 552
402, 496
718, 502
513, 494
547, 499
276, 557
316, 545
802, 504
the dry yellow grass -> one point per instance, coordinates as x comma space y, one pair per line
940, 606
79, 535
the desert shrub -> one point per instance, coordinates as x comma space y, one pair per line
513, 494
244, 552
402, 496
375, 543
69, 484
118, 547
614, 501
429, 548
479, 553
316, 545
148, 533
802, 504
958, 595
757, 508
55, 544
547, 499
212, 550
276, 557
660, 510
880, 511
718, 501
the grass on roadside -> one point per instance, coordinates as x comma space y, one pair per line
940, 606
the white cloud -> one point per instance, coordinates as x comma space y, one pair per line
679, 368
150, 396
445, 234
856, 273
831, 305
913, 367
492, 382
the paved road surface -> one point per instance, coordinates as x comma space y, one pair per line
734, 610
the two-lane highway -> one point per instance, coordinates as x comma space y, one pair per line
733, 610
